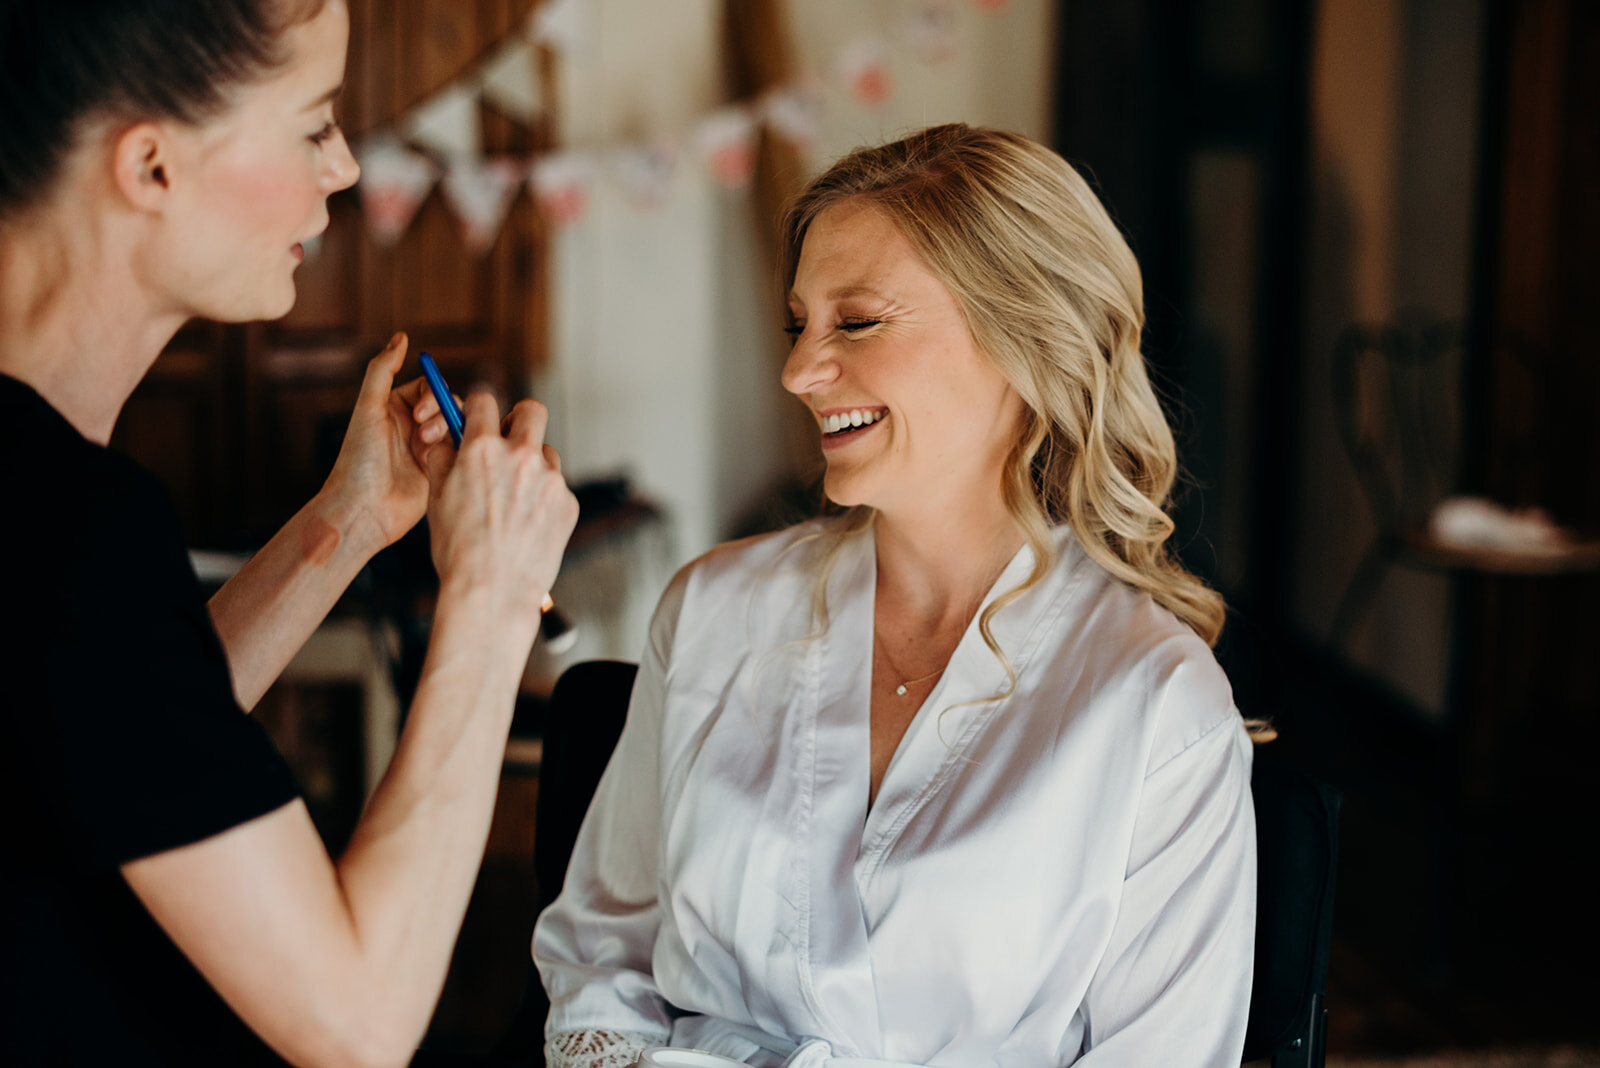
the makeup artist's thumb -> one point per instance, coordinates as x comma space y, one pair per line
437, 463
382, 368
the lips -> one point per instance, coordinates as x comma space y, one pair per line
298, 251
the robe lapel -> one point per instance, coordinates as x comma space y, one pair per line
837, 977
960, 706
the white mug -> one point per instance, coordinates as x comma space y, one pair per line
667, 1057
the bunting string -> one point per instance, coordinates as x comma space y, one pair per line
438, 143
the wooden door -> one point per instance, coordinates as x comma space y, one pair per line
243, 421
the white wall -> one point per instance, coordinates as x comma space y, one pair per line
999, 75
630, 384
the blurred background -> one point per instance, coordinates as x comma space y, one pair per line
1370, 234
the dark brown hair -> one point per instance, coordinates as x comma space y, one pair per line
68, 62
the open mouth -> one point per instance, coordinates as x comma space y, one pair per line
842, 426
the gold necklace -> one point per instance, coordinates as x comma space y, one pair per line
900, 690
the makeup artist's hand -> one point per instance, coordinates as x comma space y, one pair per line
378, 477
499, 511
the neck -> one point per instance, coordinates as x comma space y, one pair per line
75, 323
940, 562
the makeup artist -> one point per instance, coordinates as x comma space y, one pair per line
951, 776
168, 900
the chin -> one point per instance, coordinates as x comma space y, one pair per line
258, 305
843, 490
282, 308
266, 307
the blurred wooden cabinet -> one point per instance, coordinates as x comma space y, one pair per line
242, 421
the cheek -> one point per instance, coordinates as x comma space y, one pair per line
263, 199
974, 407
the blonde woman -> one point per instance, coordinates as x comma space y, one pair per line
952, 777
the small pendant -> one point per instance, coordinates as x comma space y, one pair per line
900, 689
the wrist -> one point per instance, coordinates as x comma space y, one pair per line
357, 529
504, 613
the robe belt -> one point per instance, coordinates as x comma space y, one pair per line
757, 1047
815, 1053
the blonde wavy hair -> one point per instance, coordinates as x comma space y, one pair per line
1053, 295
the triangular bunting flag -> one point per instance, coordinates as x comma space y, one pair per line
929, 30
479, 192
726, 143
645, 171
447, 123
795, 113
863, 66
561, 24
511, 82
394, 182
561, 184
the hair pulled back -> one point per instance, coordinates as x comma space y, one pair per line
70, 62
1053, 296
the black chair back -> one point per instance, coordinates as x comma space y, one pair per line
1297, 837
587, 710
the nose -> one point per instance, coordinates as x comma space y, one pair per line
341, 170
809, 367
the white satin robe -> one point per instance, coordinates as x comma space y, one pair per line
1065, 876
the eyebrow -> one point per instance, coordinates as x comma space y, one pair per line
844, 292
326, 98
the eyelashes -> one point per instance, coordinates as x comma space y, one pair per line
323, 135
849, 326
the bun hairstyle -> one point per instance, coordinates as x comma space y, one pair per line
1053, 296
68, 63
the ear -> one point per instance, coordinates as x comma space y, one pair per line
142, 165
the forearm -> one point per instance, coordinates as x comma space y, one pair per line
409, 869
336, 963
265, 613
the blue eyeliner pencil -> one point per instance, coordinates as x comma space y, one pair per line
441, 393
558, 633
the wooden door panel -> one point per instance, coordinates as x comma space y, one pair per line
328, 285
175, 424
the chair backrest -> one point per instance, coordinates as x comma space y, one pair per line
1396, 393
587, 710
1296, 830
1297, 836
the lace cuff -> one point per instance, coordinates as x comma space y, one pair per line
597, 1049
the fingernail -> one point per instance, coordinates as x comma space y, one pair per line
396, 339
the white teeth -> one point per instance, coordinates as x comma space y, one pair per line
832, 424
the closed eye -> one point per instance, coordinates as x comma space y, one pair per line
323, 135
849, 326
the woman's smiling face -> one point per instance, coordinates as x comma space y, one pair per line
911, 412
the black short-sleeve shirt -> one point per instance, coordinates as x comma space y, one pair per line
119, 738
